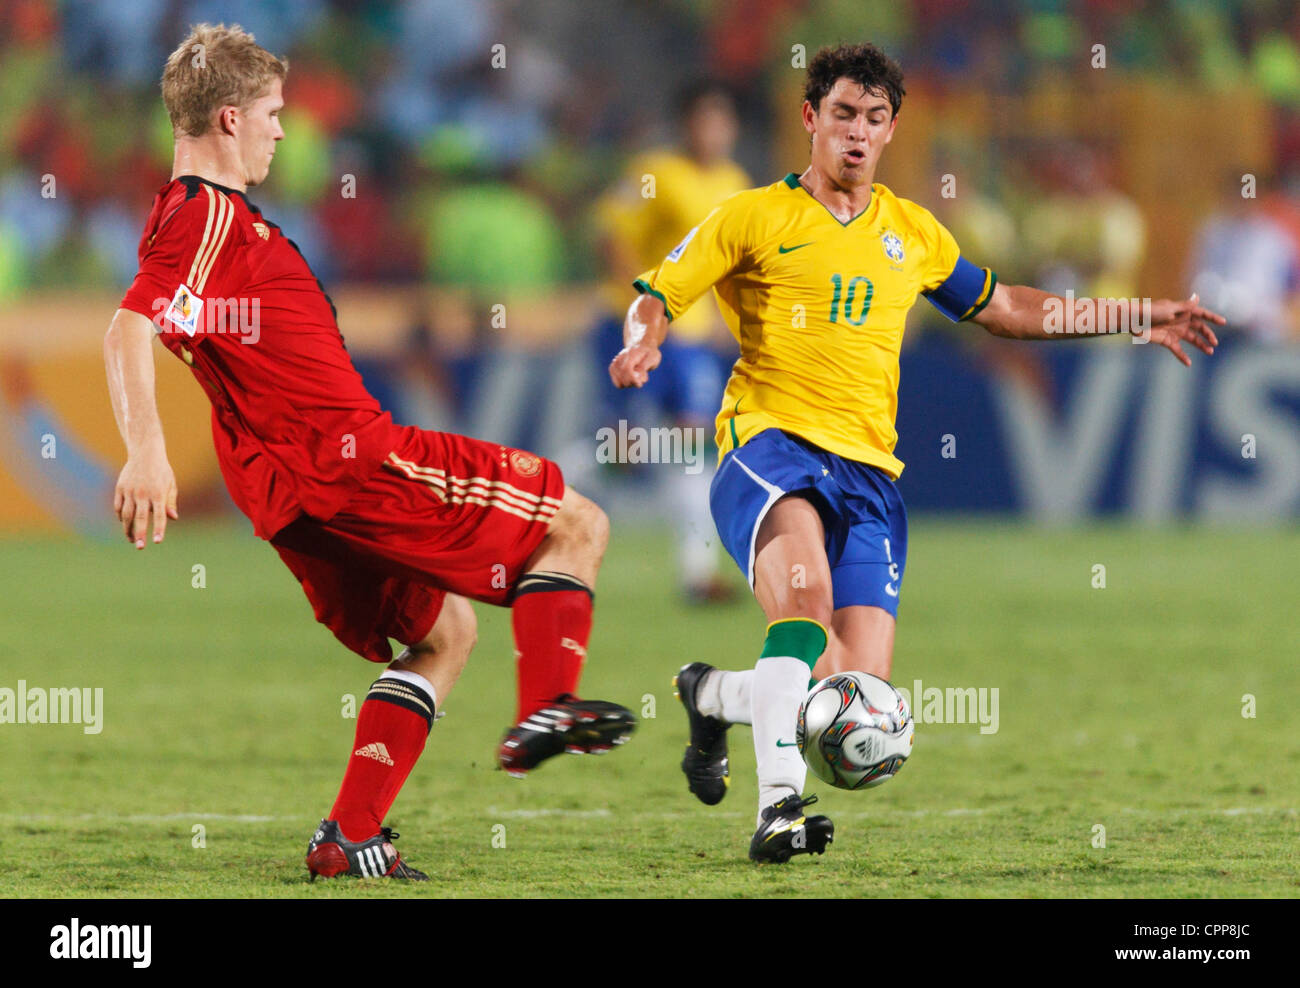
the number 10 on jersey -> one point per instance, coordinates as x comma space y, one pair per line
849, 298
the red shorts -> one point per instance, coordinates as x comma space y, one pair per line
444, 514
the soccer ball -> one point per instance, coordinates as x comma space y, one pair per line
855, 730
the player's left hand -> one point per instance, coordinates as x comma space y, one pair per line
145, 487
1173, 323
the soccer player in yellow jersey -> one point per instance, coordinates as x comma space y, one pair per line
663, 192
815, 275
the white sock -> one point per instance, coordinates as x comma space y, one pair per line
697, 554
778, 687
415, 679
725, 694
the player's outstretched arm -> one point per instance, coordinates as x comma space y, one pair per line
644, 331
146, 484
1019, 312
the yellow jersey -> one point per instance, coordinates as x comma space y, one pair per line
662, 194
818, 308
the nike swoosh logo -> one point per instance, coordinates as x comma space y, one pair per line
797, 825
785, 744
786, 250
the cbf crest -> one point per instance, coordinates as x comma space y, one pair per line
893, 245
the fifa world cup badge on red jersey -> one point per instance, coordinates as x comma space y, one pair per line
184, 310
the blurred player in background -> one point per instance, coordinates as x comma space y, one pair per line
816, 274
663, 192
388, 528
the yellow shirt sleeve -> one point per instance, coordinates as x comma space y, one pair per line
706, 255
941, 250
954, 285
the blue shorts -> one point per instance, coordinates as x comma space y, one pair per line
687, 384
860, 507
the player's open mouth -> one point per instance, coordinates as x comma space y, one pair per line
855, 156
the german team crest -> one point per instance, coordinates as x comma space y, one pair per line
525, 464
893, 244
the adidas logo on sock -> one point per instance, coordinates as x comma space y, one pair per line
375, 750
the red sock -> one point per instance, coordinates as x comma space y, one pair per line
392, 726
551, 615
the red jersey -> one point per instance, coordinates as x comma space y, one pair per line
295, 430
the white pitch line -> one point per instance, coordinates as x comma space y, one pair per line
882, 814
1230, 811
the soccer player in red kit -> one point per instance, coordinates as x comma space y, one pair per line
388, 528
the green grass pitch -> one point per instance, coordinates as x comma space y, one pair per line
1119, 708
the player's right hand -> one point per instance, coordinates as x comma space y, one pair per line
632, 367
145, 486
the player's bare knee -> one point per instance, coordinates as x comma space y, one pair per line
454, 633
582, 526
811, 607
597, 529
784, 600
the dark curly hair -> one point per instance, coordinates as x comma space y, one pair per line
865, 64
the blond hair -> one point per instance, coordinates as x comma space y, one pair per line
215, 66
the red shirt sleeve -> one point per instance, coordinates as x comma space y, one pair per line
179, 258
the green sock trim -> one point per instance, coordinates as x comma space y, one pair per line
800, 638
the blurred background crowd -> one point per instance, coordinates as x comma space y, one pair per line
478, 175
476, 182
